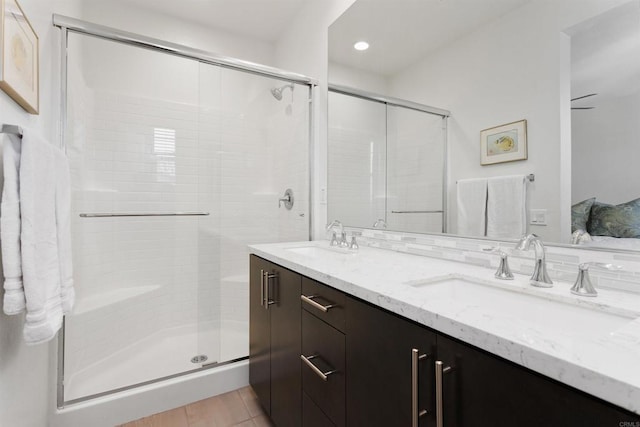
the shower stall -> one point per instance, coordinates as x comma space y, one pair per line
178, 161
387, 162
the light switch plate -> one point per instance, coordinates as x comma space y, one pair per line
538, 216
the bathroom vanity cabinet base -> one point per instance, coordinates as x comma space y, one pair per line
388, 369
275, 341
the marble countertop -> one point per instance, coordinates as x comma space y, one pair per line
602, 362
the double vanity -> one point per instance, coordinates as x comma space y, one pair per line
375, 337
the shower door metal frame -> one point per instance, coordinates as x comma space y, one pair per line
403, 103
67, 25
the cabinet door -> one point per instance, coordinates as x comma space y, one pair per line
259, 334
484, 390
286, 347
379, 368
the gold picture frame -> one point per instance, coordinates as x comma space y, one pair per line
505, 143
19, 59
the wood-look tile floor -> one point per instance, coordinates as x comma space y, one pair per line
238, 408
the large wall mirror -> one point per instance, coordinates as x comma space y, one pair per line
569, 68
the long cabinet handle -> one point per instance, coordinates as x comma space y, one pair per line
262, 288
440, 371
267, 299
309, 300
314, 368
416, 413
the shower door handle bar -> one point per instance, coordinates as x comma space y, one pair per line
136, 214
407, 212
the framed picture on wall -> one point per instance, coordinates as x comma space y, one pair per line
505, 143
19, 58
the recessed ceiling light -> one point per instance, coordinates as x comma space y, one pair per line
361, 45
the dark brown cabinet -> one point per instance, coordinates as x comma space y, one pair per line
275, 340
381, 369
387, 357
480, 389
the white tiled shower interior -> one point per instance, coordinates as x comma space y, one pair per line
356, 160
153, 292
385, 162
415, 169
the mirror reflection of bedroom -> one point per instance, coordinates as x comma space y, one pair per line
605, 127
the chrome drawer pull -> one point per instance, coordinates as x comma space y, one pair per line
314, 368
261, 288
416, 413
309, 300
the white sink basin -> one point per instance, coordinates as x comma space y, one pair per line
461, 296
315, 251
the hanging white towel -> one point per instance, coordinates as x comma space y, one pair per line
63, 226
472, 206
506, 206
44, 237
14, 302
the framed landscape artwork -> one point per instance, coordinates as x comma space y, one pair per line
19, 61
506, 143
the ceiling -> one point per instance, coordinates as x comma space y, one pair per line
261, 19
388, 24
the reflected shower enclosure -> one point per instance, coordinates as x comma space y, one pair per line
386, 161
177, 165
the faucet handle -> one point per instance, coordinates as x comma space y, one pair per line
583, 286
503, 272
343, 240
603, 265
354, 244
334, 239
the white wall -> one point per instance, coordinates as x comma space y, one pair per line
303, 48
346, 76
516, 68
605, 136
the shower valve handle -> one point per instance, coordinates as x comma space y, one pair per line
287, 199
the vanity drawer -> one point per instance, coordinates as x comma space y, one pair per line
312, 416
323, 367
324, 302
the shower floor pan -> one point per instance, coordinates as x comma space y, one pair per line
163, 354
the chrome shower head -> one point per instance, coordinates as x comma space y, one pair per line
277, 91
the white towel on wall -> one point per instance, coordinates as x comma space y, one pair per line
63, 226
507, 206
472, 205
14, 302
45, 245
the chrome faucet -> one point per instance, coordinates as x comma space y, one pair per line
380, 223
583, 286
335, 240
540, 278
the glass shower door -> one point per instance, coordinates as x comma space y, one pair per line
356, 160
253, 146
131, 141
415, 170
177, 166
